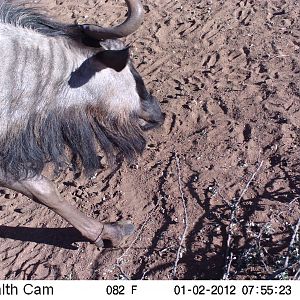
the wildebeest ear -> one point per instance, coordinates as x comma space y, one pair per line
115, 59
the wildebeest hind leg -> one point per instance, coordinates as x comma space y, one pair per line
44, 191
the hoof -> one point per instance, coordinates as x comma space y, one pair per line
99, 243
115, 233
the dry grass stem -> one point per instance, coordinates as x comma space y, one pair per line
249, 182
297, 275
228, 257
186, 223
287, 259
286, 263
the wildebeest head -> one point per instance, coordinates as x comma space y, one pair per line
117, 57
124, 88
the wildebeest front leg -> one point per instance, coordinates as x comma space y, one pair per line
44, 191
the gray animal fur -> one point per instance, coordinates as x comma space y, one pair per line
57, 98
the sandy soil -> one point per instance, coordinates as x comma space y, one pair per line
227, 76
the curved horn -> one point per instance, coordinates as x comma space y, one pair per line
130, 25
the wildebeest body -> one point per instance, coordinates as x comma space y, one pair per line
60, 98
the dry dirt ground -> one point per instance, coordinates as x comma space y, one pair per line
216, 193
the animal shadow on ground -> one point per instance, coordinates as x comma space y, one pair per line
59, 237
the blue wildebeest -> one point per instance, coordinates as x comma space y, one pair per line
64, 90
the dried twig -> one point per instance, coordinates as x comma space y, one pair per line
286, 261
228, 256
261, 232
123, 274
186, 223
296, 229
230, 259
249, 182
297, 275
